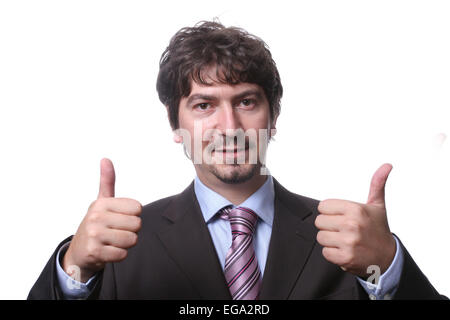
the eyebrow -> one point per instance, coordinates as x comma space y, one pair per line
241, 95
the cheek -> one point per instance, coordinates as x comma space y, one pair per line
197, 132
183, 118
256, 121
261, 117
186, 124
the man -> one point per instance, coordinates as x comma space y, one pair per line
235, 232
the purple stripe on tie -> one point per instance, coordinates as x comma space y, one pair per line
248, 211
230, 283
239, 251
241, 266
247, 287
243, 285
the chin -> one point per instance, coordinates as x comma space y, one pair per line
234, 173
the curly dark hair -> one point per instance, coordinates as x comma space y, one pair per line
237, 55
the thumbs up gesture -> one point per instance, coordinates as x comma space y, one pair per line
109, 228
355, 235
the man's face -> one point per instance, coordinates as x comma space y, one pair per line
214, 115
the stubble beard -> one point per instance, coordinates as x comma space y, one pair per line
234, 173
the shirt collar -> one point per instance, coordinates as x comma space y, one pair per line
261, 201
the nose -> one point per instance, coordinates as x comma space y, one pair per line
228, 119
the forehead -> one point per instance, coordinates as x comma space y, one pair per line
217, 79
223, 89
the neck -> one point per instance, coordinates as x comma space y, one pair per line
235, 193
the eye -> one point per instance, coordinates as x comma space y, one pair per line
247, 102
202, 106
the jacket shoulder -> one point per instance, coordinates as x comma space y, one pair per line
157, 205
294, 200
153, 213
162, 211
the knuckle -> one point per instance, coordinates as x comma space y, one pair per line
98, 204
133, 239
138, 224
138, 207
134, 224
91, 205
357, 238
320, 206
347, 259
353, 225
319, 221
92, 251
120, 255
319, 237
323, 204
123, 254
325, 252
94, 217
92, 232
95, 204
353, 240
358, 211
132, 206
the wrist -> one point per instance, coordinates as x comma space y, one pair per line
388, 257
75, 270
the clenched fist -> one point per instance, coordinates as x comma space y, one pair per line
109, 228
355, 235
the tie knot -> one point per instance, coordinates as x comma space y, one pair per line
242, 220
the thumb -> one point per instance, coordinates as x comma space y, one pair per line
107, 179
378, 183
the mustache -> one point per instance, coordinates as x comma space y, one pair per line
236, 141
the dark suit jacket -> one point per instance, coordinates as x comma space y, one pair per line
175, 258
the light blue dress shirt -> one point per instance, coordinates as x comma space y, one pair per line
262, 203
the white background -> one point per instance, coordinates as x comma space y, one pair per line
366, 82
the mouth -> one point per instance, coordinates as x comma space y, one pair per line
233, 154
232, 150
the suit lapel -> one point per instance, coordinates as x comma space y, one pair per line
291, 243
189, 243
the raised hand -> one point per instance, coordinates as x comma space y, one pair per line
355, 235
109, 228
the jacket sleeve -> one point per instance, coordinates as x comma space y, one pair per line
413, 284
47, 287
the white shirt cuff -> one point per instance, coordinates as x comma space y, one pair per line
387, 284
71, 288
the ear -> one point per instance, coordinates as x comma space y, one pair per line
176, 137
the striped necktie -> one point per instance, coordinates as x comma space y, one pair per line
241, 270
